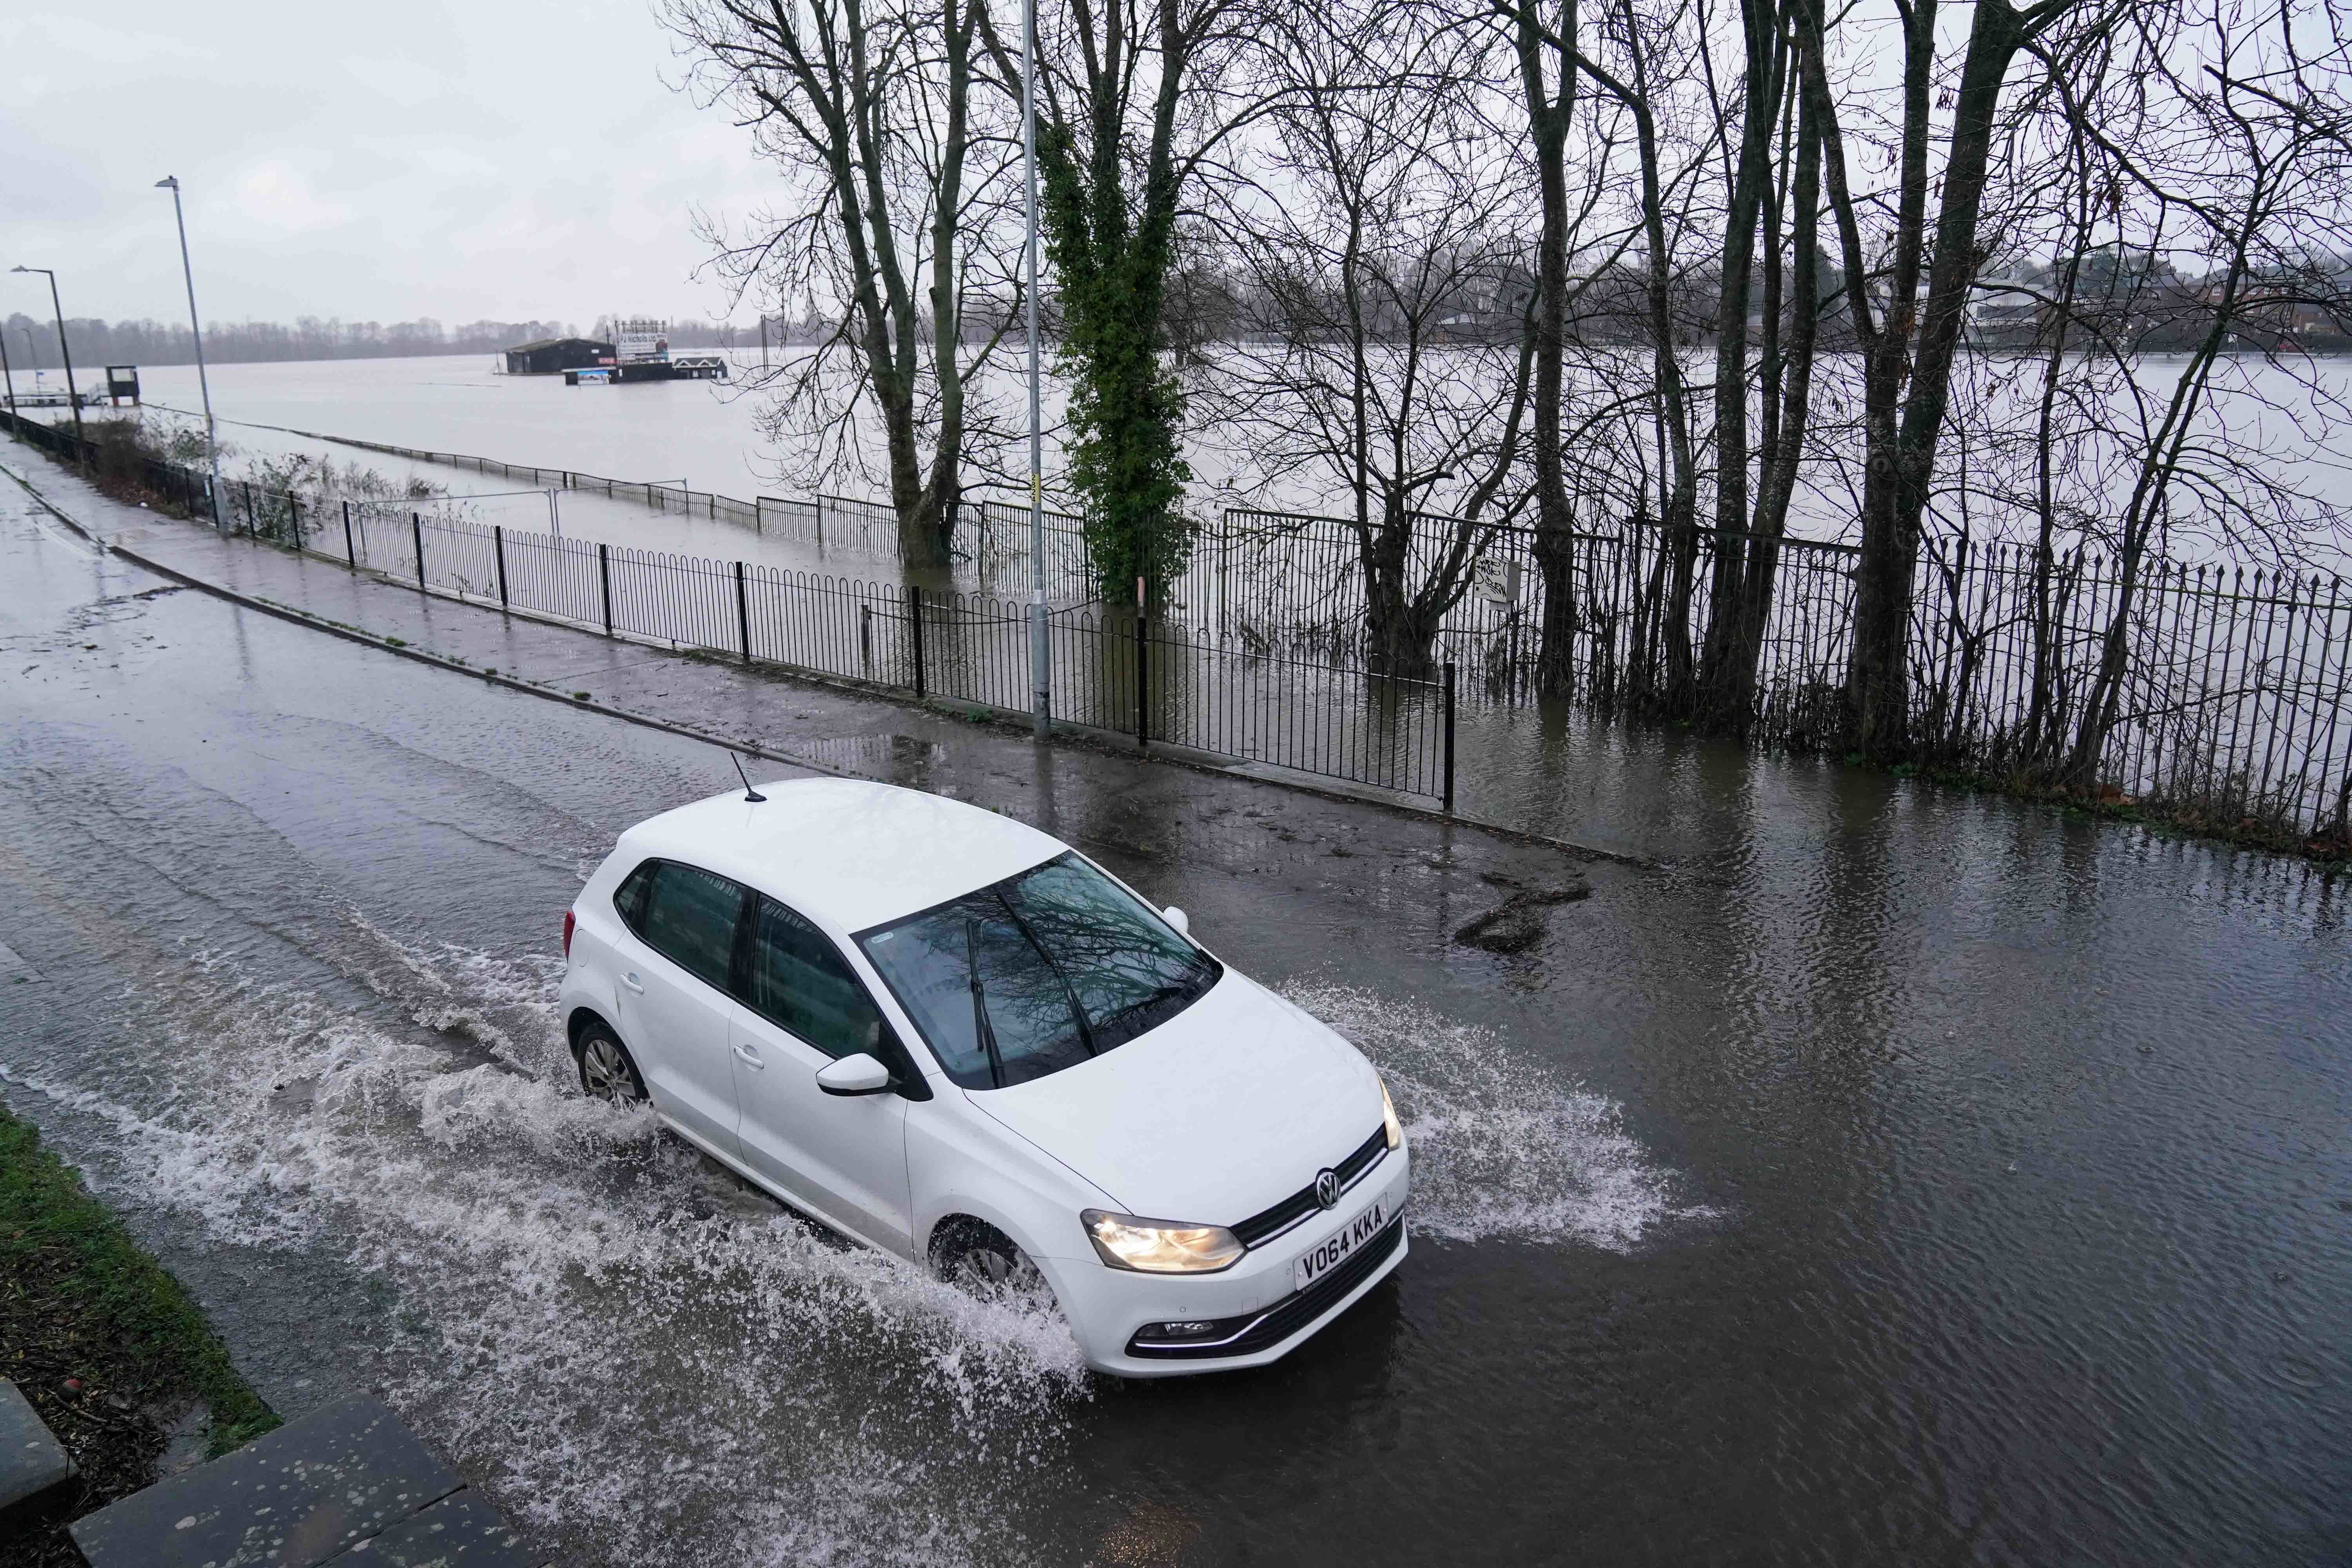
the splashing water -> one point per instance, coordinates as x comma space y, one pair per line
640, 1358
1501, 1151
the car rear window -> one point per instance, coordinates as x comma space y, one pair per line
688, 916
1038, 973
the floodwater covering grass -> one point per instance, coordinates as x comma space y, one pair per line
110, 1348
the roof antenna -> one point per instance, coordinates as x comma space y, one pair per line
749, 793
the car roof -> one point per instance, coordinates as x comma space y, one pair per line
845, 851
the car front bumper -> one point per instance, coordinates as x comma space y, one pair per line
1258, 1314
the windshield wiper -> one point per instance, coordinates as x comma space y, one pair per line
1078, 1008
1165, 993
981, 1025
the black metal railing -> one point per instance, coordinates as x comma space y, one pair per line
1162, 683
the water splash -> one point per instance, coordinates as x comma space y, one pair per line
641, 1359
1501, 1150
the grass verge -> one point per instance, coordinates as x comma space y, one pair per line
81, 1303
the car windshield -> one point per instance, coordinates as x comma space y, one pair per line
1038, 973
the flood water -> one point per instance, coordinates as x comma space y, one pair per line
709, 435
1886, 1176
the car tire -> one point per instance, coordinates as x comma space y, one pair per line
607, 1070
977, 1257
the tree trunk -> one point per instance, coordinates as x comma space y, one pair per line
1555, 549
1903, 431
1678, 484
1762, 98
1735, 688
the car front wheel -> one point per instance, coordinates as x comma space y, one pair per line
983, 1260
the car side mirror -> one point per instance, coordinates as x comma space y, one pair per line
860, 1073
1176, 918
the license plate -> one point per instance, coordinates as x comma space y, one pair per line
1320, 1260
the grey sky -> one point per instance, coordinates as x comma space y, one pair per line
509, 159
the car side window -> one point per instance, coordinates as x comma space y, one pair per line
800, 981
690, 917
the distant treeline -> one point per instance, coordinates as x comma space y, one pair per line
32, 342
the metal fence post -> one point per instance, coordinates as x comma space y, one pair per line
742, 612
250, 532
349, 548
416, 531
605, 575
1449, 737
1142, 729
915, 619
498, 542
294, 518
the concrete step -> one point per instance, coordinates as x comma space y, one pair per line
348, 1483
31, 1458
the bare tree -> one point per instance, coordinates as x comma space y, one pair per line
868, 107
1388, 348
2224, 132
1647, 47
1746, 570
1907, 351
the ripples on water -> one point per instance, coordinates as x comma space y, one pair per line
639, 1356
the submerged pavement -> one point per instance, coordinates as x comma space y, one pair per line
1888, 1176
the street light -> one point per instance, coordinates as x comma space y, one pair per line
9, 377
73, 398
1041, 653
212, 443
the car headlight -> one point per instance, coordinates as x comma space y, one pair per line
1159, 1245
1389, 1118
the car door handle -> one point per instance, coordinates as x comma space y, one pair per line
634, 983
749, 1058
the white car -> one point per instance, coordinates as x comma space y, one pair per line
951, 1036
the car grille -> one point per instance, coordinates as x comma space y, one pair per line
1264, 1225
1262, 1331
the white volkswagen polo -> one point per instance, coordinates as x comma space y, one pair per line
951, 1036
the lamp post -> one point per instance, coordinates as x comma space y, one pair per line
8, 376
73, 398
1041, 653
212, 442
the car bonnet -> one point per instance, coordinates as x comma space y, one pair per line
1229, 1107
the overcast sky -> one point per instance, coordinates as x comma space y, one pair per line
507, 159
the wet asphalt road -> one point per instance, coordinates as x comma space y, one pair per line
1890, 1177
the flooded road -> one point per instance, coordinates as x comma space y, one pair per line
1889, 1177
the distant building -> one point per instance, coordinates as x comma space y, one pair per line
643, 339
2006, 303
550, 355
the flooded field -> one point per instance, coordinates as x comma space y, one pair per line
709, 435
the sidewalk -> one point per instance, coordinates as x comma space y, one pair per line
765, 711
348, 1484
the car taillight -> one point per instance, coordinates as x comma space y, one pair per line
568, 923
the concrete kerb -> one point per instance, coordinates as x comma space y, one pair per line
1104, 741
